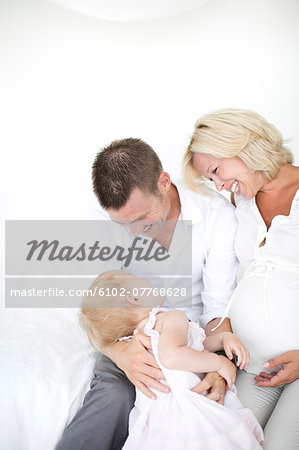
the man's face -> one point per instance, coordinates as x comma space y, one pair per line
143, 213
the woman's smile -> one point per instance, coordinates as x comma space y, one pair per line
231, 174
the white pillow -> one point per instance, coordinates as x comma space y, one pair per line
46, 365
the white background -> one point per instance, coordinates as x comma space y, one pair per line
72, 83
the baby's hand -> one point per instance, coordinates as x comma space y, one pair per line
232, 344
227, 371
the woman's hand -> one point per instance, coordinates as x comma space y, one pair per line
140, 366
287, 374
232, 344
214, 384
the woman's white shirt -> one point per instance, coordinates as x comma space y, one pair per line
265, 306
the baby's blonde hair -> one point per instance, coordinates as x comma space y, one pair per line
106, 318
235, 132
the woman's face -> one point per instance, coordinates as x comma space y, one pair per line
231, 174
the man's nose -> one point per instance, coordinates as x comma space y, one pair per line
135, 229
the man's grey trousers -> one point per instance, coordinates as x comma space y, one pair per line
102, 422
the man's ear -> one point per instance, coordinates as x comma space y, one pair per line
164, 181
135, 301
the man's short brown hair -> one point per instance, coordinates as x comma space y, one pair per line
121, 167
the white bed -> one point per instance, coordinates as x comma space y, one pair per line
46, 365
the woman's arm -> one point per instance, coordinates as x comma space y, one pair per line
175, 354
220, 259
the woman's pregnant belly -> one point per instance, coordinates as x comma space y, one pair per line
265, 315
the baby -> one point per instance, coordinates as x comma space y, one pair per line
123, 305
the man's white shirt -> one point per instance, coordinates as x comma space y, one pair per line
201, 256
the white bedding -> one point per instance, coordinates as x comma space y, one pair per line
46, 365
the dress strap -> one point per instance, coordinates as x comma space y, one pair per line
149, 326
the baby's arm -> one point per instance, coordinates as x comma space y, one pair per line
230, 343
175, 354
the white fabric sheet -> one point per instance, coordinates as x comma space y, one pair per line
46, 364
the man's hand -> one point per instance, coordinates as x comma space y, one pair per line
140, 366
287, 374
214, 384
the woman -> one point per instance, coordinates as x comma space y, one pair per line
244, 154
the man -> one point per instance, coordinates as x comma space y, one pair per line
130, 184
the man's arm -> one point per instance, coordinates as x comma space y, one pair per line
220, 268
219, 278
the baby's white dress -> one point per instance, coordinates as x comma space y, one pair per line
182, 419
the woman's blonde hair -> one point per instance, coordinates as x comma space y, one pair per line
235, 132
106, 318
